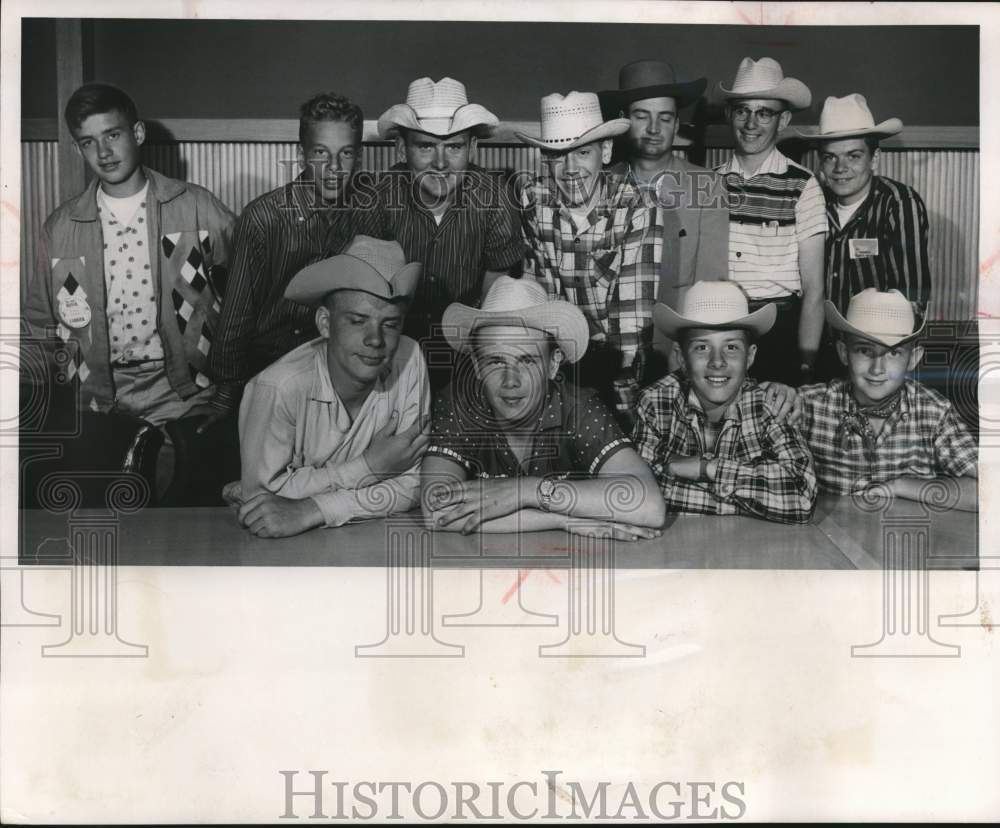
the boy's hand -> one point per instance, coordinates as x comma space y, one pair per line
781, 401
611, 529
390, 454
232, 493
269, 515
477, 501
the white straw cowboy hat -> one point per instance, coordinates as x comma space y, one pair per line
372, 265
440, 108
883, 317
764, 79
572, 121
850, 117
719, 305
520, 303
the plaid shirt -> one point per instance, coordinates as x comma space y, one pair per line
608, 266
764, 468
922, 438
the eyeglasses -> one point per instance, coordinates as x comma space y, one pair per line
763, 115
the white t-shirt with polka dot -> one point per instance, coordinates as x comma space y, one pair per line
128, 277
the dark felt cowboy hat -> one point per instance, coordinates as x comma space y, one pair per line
651, 79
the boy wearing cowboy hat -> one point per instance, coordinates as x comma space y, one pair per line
692, 208
592, 239
876, 427
332, 431
277, 235
447, 213
777, 219
714, 445
507, 435
878, 227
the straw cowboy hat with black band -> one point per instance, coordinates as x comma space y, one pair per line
764, 78
884, 317
714, 305
850, 117
438, 108
519, 303
644, 79
573, 121
367, 264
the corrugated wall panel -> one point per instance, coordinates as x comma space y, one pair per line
948, 181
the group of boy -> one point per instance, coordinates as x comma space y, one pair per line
425, 338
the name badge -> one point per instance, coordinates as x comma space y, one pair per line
863, 248
74, 311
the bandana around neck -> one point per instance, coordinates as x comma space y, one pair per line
859, 421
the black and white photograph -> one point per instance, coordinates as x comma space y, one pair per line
451, 411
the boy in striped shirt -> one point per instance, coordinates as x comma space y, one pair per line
876, 428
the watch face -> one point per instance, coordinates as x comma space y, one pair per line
547, 487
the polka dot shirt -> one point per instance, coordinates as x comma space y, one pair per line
576, 433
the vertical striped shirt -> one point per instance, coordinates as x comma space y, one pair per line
277, 235
924, 437
893, 215
478, 232
770, 213
764, 467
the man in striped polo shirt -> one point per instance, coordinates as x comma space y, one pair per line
777, 220
878, 227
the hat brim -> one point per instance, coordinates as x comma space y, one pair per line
469, 116
345, 272
564, 321
793, 92
671, 323
684, 94
891, 126
839, 323
601, 132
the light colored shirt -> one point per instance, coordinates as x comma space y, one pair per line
128, 278
771, 212
297, 439
844, 214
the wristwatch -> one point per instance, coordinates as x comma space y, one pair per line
546, 488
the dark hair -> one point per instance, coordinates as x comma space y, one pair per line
96, 99
871, 141
330, 107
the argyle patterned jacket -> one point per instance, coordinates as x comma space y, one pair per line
65, 302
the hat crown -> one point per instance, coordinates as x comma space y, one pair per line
844, 114
565, 119
714, 303
430, 99
881, 314
509, 294
386, 257
646, 73
756, 75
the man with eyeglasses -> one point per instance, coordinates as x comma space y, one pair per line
777, 220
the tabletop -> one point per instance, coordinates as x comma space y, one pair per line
841, 535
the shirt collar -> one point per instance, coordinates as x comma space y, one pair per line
774, 164
850, 404
694, 406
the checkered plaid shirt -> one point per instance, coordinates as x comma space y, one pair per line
764, 468
924, 437
608, 266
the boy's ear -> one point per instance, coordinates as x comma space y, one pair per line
842, 351
784, 119
916, 355
139, 131
473, 141
607, 147
400, 148
555, 360
751, 355
679, 354
323, 321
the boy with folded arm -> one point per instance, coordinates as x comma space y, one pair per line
713, 443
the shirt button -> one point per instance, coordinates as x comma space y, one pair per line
297, 331
738, 254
